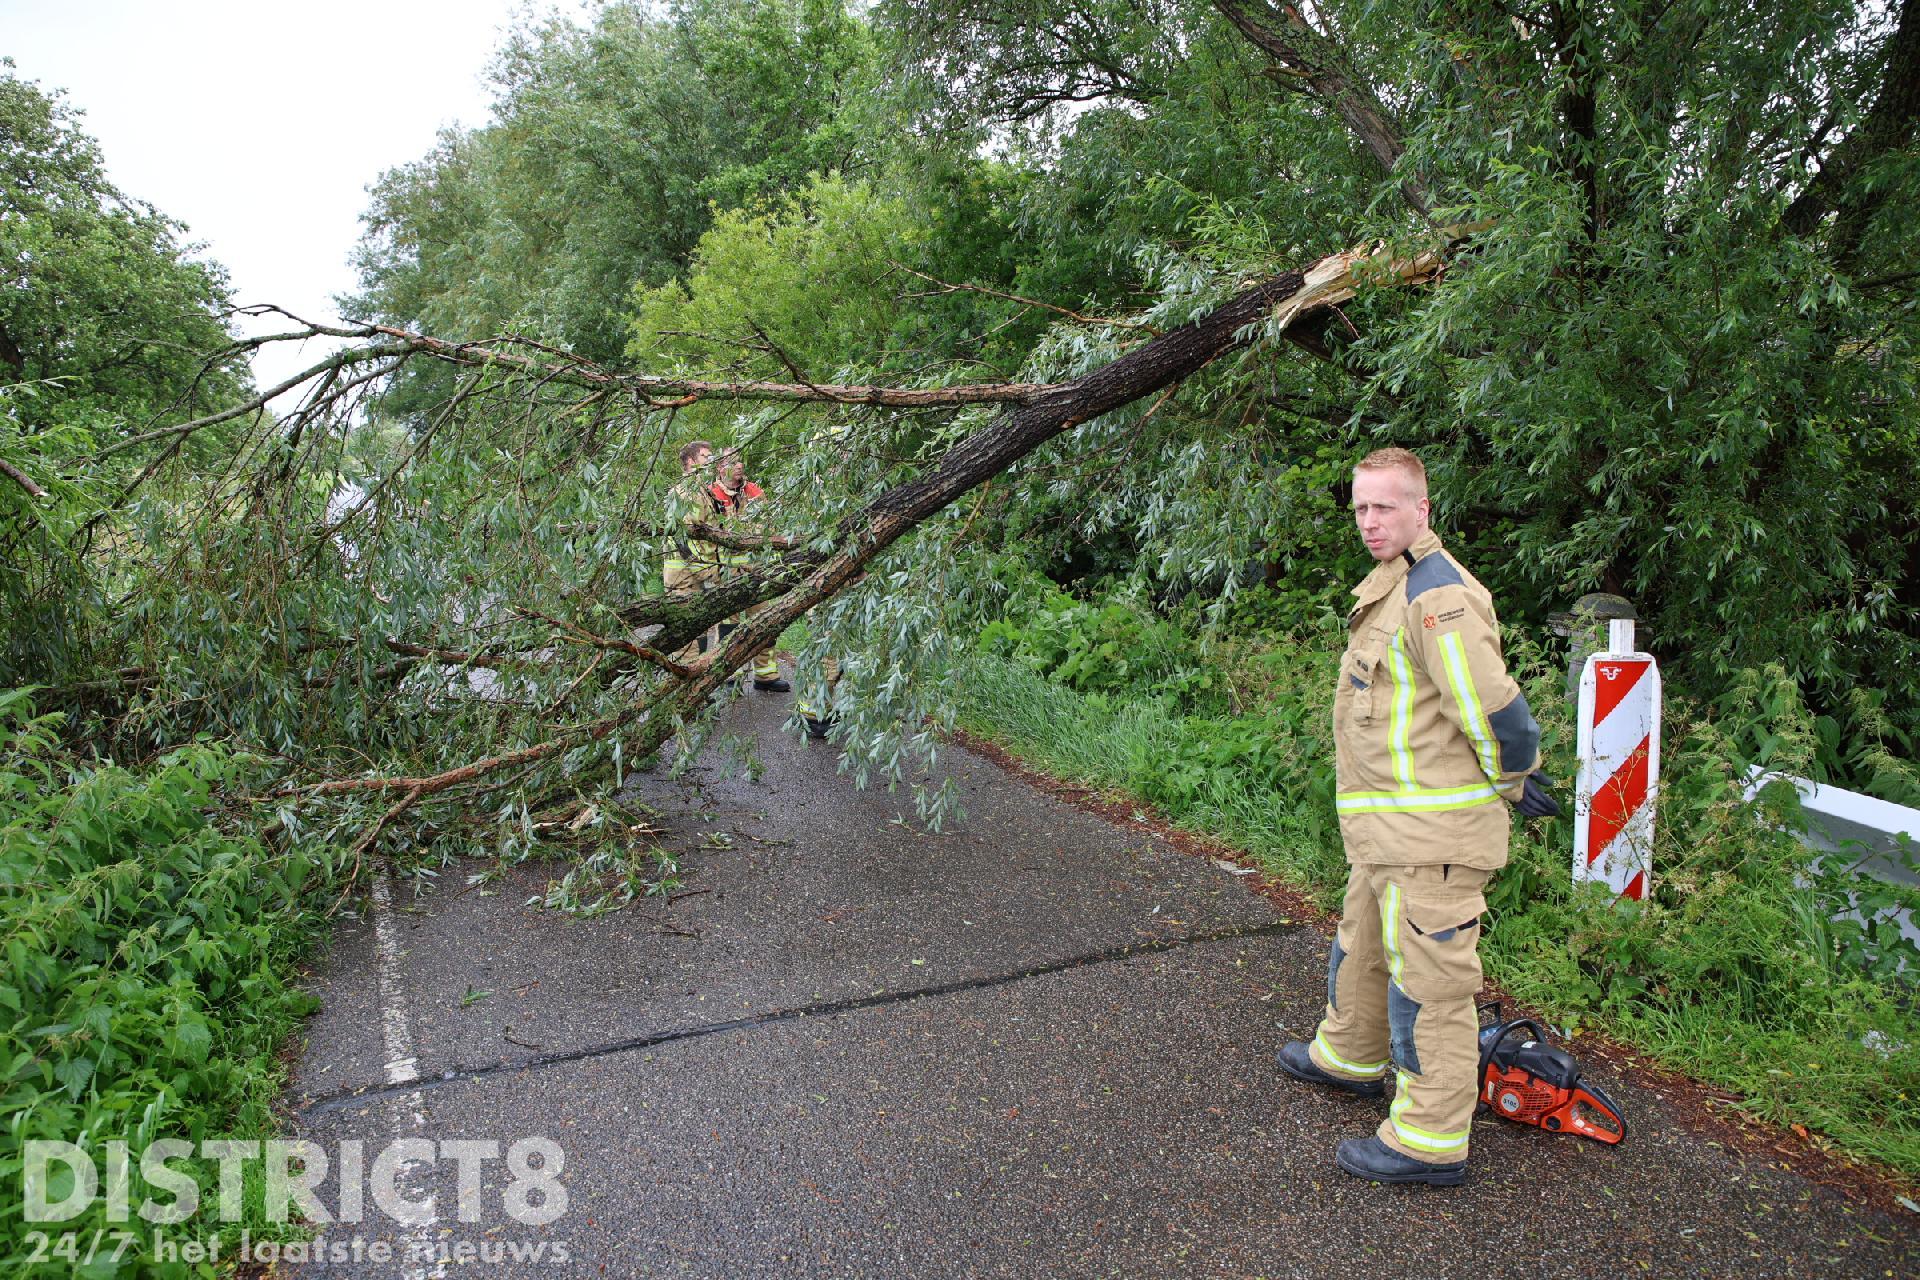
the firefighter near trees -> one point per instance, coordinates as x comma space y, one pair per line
692, 565
1433, 742
736, 497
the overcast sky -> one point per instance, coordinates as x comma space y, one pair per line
260, 125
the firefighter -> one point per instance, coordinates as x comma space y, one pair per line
692, 565
1433, 741
735, 494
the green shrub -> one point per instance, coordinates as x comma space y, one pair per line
148, 953
1100, 647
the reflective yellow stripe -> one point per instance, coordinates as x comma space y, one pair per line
1402, 725
1472, 716
674, 562
1417, 1138
1390, 930
1368, 1071
1415, 800
1414, 1136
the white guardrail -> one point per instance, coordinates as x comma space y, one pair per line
1864, 829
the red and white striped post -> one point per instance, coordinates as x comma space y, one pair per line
1619, 744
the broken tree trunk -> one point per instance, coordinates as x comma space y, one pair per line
1153, 366
804, 578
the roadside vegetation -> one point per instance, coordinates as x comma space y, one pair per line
151, 932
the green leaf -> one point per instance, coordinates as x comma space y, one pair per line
74, 1074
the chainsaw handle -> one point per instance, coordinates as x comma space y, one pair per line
1590, 1096
1500, 1032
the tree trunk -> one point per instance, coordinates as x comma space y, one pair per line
802, 579
809, 578
1889, 127
1318, 66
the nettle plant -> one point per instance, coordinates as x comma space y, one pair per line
149, 935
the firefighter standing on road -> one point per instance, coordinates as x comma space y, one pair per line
692, 565
1433, 741
736, 494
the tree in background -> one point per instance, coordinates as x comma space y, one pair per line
106, 323
611, 145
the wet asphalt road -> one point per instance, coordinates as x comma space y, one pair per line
1037, 1045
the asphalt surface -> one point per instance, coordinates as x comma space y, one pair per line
1039, 1044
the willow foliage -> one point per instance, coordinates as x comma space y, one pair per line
1672, 357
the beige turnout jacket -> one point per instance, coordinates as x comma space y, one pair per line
1432, 737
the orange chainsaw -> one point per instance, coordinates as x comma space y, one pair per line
1524, 1078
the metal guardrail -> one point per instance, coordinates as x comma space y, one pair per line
1879, 835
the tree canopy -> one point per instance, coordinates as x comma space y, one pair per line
1123, 286
107, 321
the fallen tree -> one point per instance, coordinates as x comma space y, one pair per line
799, 580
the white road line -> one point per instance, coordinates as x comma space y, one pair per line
402, 1063
408, 1111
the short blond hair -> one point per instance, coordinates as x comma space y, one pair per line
1402, 460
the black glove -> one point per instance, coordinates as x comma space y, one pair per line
1535, 800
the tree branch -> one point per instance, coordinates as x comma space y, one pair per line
627, 647
693, 389
1888, 127
22, 479
333, 363
945, 287
1321, 68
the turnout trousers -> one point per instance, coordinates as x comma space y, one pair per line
821, 706
765, 666
1401, 981
684, 580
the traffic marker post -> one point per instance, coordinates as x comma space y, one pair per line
1619, 746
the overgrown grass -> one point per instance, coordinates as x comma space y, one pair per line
1736, 971
150, 951
1187, 768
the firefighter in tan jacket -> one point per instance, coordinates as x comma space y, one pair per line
692, 565
1433, 741
738, 495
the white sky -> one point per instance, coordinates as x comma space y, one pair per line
260, 125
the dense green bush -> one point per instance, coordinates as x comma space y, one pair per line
1098, 647
148, 946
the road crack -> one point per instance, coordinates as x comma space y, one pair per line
823, 1009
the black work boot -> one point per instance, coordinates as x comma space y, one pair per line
816, 727
775, 685
1294, 1061
1375, 1161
